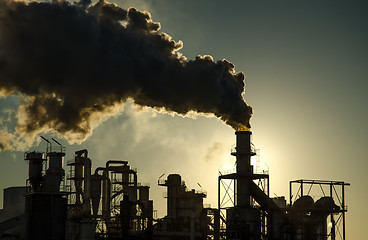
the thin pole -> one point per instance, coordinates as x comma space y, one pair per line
291, 192
343, 211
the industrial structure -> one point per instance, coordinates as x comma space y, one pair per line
186, 218
110, 203
247, 211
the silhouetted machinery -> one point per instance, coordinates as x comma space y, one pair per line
247, 211
45, 204
111, 204
186, 217
120, 205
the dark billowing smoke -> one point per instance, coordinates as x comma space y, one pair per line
71, 63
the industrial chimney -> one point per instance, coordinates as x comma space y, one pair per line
243, 152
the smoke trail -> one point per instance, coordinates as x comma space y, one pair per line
76, 64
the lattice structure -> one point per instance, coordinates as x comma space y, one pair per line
324, 189
237, 188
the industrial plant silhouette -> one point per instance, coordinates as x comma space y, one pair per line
81, 62
112, 204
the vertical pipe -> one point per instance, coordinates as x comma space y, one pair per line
219, 193
343, 211
235, 192
301, 188
268, 185
291, 193
87, 187
333, 229
106, 195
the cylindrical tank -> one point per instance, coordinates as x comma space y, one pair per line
304, 202
174, 180
326, 203
56, 160
323, 207
55, 172
35, 161
173, 183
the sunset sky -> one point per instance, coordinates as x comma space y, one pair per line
306, 68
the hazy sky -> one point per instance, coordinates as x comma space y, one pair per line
306, 71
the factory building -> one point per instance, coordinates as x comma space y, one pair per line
110, 203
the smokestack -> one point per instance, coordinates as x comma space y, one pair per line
77, 64
243, 152
244, 169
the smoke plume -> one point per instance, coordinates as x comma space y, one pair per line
76, 64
